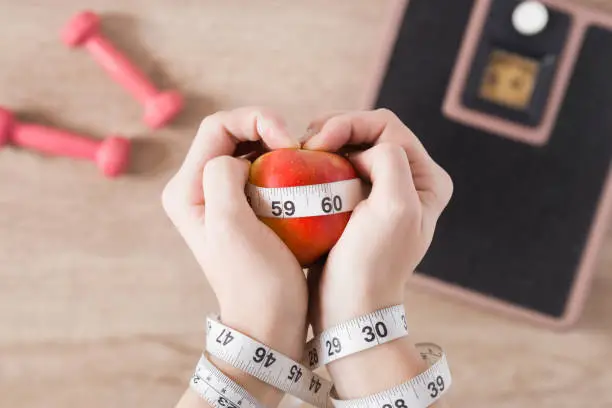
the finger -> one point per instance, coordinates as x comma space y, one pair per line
219, 134
360, 127
383, 126
386, 166
316, 124
315, 127
223, 186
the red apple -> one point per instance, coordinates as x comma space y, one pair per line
307, 237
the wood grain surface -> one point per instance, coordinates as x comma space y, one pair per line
101, 303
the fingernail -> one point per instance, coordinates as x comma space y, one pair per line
261, 127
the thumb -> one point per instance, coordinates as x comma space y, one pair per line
387, 168
223, 183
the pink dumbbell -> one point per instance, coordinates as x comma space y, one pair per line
111, 155
159, 107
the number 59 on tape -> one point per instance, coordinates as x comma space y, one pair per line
306, 201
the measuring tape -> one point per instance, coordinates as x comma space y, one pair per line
265, 364
306, 201
218, 389
348, 338
356, 335
419, 392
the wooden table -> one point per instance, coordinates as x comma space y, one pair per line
101, 303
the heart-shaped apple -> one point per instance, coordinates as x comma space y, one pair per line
307, 237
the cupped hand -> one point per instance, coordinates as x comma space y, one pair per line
389, 232
259, 284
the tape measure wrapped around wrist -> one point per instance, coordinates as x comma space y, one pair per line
419, 392
354, 336
298, 193
265, 364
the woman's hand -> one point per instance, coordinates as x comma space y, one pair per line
386, 238
259, 284
389, 232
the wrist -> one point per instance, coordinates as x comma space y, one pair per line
283, 332
399, 359
337, 310
352, 376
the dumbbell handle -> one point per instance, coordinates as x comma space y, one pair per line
54, 141
160, 107
110, 155
120, 68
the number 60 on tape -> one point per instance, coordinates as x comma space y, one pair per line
306, 201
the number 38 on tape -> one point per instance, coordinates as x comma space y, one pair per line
305, 201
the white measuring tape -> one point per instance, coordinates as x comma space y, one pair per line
419, 392
306, 201
348, 338
356, 335
218, 389
265, 364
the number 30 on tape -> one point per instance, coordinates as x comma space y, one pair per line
305, 201
356, 335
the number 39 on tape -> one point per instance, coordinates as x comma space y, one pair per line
306, 201
419, 392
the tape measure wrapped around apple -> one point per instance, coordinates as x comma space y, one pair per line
306, 197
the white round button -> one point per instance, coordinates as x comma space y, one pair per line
530, 17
